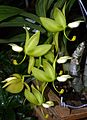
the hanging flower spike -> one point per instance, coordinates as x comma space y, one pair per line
16, 48
63, 59
72, 39
74, 24
63, 78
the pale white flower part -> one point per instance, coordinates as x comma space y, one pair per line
9, 79
28, 28
48, 104
30, 20
63, 59
16, 48
63, 78
74, 24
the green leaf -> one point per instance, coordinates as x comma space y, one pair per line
41, 6
49, 70
40, 75
49, 56
37, 94
15, 87
16, 38
63, 10
30, 16
30, 97
56, 35
59, 18
27, 38
8, 11
32, 42
20, 22
50, 24
69, 5
31, 64
49, 2
59, 3
39, 50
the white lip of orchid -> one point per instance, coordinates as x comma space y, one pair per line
63, 78
16, 48
48, 104
28, 28
74, 24
9, 79
63, 59
45, 105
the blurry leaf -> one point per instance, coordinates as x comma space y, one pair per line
49, 69
49, 2
41, 6
8, 11
69, 5
37, 94
30, 97
2, 98
10, 114
16, 38
31, 16
60, 3
20, 22
41, 75
50, 24
39, 50
59, 17
31, 64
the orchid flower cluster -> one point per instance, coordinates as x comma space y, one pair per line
42, 61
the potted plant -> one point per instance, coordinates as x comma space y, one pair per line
48, 64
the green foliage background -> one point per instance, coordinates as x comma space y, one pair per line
13, 14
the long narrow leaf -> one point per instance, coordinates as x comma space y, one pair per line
17, 38
41, 6
20, 22
8, 11
49, 3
